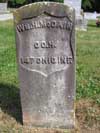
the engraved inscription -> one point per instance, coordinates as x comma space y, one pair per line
48, 48
44, 44
66, 25
47, 60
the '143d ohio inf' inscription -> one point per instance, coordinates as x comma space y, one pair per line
46, 45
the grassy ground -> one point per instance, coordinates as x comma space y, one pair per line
87, 74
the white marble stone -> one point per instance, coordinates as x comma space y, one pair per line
4, 17
3, 6
91, 16
76, 4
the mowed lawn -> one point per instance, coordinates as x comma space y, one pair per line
87, 76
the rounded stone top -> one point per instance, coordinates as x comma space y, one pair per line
53, 9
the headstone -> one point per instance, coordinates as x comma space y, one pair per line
45, 41
76, 4
3, 7
81, 22
90, 16
7, 16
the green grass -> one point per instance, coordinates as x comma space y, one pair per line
87, 73
8, 71
88, 63
9, 92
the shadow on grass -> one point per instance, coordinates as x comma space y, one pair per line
92, 25
10, 101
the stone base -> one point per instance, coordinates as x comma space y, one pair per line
36, 121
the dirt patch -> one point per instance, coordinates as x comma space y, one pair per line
87, 115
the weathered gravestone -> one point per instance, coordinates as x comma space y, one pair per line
45, 41
3, 8
81, 22
76, 4
90, 16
